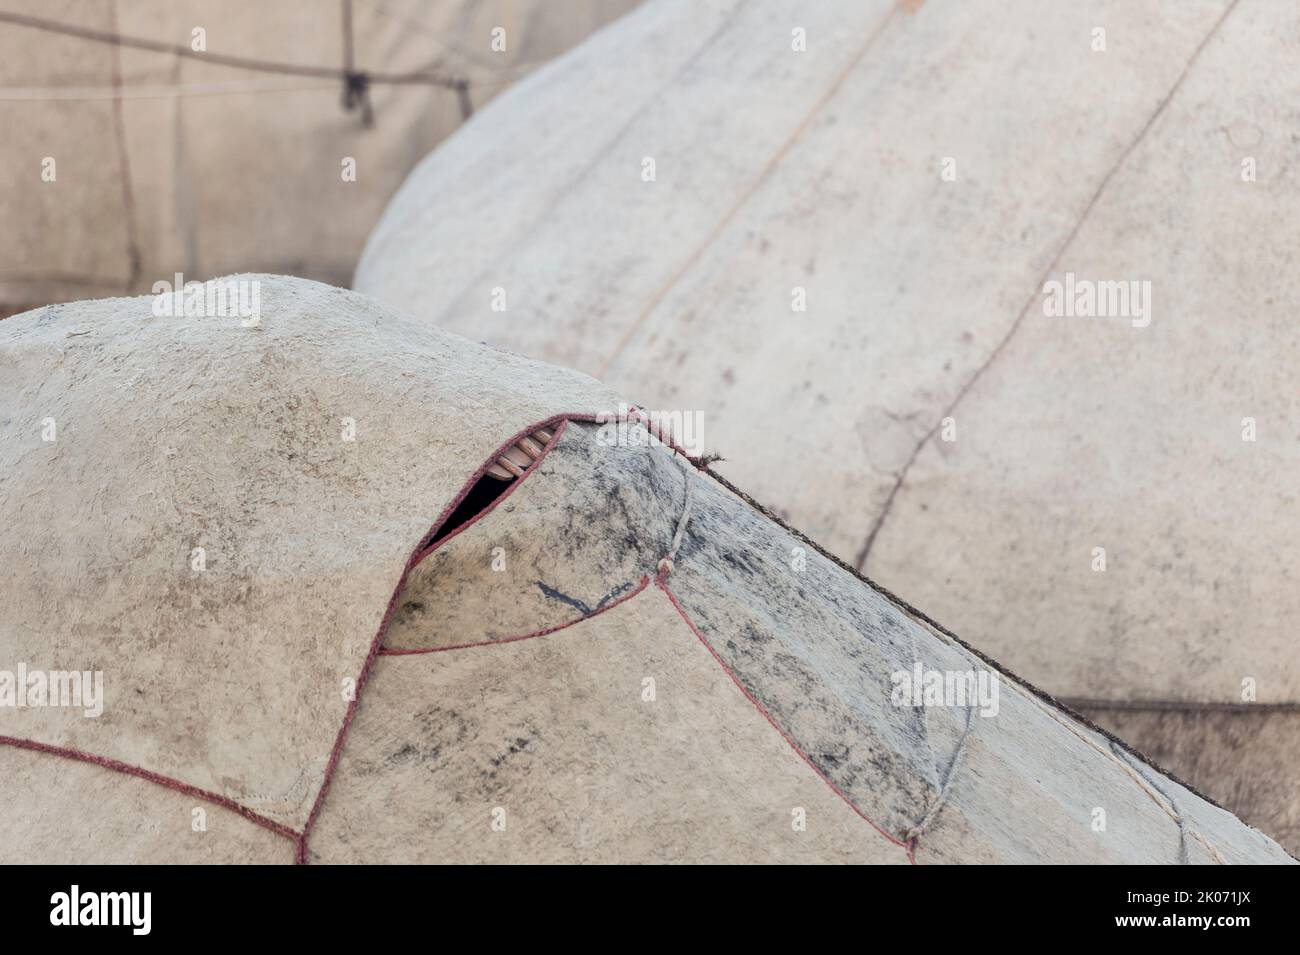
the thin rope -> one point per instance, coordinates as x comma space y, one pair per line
133, 255
1184, 857
182, 90
931, 764
347, 35
666, 563
223, 59
356, 85
1052, 704
1157, 798
915, 832
686, 516
341, 74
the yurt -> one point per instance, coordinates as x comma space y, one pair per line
296, 577
145, 138
996, 302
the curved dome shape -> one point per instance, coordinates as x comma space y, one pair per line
216, 515
611, 657
843, 260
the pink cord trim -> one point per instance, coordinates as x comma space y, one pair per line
662, 584
167, 781
643, 419
645, 581
300, 839
418, 554
478, 476
560, 422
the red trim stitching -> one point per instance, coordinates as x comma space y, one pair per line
167, 781
300, 854
478, 476
662, 585
300, 838
645, 581
642, 418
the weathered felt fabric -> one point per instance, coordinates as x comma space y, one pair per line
1247, 760
65, 812
579, 532
555, 734
181, 433
822, 171
769, 731
498, 721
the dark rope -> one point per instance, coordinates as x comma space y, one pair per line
356, 92
356, 85
1181, 706
236, 62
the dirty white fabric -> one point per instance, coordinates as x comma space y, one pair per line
525, 746
783, 177
64, 812
741, 708
556, 737
175, 434
583, 530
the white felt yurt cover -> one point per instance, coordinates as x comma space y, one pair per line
826, 230
233, 520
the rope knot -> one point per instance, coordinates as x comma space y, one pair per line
356, 92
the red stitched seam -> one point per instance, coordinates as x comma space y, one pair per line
635, 414
167, 781
645, 581
532, 465
300, 855
661, 583
643, 419
300, 838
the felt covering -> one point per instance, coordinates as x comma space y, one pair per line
556, 734
67, 812
735, 704
823, 171
547, 730
580, 531
173, 434
1248, 760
